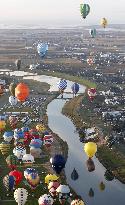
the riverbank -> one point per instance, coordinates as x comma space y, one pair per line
82, 116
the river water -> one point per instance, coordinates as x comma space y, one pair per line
114, 193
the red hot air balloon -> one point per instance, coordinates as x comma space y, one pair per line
91, 93
21, 92
18, 176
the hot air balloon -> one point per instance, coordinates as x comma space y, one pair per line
77, 202
20, 196
90, 61
63, 192
29, 171
8, 136
12, 161
21, 92
4, 147
42, 49
84, 9
48, 140
90, 149
58, 163
91, 192
18, 63
62, 85
34, 134
52, 188
12, 87
40, 128
45, 199
102, 186
51, 178
18, 176
12, 100
13, 121
91, 93
36, 143
90, 165
2, 125
104, 22
33, 180
19, 152
28, 159
36, 152
75, 88
9, 182
74, 175
93, 32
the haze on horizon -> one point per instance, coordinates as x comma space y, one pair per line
60, 13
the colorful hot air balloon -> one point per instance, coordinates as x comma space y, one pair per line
40, 128
28, 159
9, 182
104, 22
45, 199
12, 161
90, 149
12, 87
4, 148
13, 121
91, 93
77, 202
50, 178
63, 192
90, 60
19, 152
8, 136
18, 63
48, 140
84, 9
75, 88
20, 196
21, 92
33, 180
58, 163
29, 171
18, 176
12, 100
52, 188
42, 49
2, 125
93, 32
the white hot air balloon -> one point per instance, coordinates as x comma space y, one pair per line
19, 152
12, 100
28, 159
20, 196
45, 199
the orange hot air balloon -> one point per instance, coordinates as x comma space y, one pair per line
21, 92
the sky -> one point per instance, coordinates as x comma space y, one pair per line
60, 12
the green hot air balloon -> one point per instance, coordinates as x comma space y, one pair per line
84, 9
93, 32
12, 88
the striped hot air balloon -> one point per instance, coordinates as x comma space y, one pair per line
4, 148
12, 161
9, 182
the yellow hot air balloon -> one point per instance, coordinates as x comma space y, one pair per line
90, 149
4, 148
77, 202
51, 178
104, 22
40, 128
2, 125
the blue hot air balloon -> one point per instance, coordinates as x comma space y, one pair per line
75, 88
58, 163
9, 182
42, 49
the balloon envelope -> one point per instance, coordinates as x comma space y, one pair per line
42, 49
90, 149
84, 9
